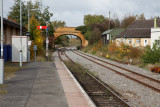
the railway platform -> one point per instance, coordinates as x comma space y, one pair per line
43, 84
75, 95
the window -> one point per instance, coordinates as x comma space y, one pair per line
130, 41
157, 42
145, 42
138, 41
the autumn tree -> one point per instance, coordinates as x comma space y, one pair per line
36, 36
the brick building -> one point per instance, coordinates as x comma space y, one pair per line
9, 29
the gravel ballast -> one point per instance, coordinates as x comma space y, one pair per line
137, 94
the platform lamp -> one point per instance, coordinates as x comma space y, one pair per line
1, 58
21, 34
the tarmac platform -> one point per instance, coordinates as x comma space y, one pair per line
44, 84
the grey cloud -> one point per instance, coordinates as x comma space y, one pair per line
73, 11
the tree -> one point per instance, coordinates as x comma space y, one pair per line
95, 36
90, 19
83, 29
36, 36
46, 15
141, 17
14, 14
40, 14
51, 35
117, 23
127, 21
151, 55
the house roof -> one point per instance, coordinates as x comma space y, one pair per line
113, 32
139, 29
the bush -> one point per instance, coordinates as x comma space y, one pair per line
94, 52
151, 55
78, 47
155, 69
134, 52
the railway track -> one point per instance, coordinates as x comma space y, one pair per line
100, 93
139, 78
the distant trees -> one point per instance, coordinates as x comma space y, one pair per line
128, 20
94, 25
90, 19
141, 17
58, 23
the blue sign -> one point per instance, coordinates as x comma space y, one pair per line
47, 29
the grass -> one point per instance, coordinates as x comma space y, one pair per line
10, 69
2, 89
41, 58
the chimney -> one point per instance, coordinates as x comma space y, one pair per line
155, 23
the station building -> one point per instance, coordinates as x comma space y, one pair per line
10, 28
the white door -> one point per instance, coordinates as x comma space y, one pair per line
145, 42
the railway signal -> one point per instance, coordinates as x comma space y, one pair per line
47, 41
42, 27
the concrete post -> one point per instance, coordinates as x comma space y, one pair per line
2, 71
1, 58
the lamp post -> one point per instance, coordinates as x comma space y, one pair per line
28, 31
1, 59
47, 41
20, 33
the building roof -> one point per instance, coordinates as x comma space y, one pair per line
114, 32
139, 29
107, 32
10, 23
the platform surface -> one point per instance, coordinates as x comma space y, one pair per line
74, 95
36, 85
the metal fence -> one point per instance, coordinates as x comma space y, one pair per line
7, 52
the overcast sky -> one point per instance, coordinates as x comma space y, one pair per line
73, 11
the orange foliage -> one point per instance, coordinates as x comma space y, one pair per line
155, 69
98, 45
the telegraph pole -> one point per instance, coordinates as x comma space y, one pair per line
1, 59
109, 21
28, 17
47, 41
20, 33
28, 30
